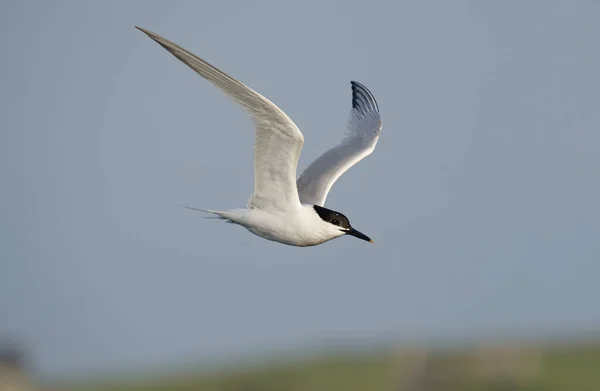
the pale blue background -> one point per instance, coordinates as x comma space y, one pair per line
482, 195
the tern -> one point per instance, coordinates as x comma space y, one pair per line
284, 208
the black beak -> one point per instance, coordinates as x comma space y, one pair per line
359, 235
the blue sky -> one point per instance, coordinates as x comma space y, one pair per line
482, 195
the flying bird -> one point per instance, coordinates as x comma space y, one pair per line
284, 208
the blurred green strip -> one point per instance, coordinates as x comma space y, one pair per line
493, 368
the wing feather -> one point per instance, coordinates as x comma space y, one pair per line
278, 141
362, 133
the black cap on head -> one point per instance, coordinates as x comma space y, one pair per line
339, 220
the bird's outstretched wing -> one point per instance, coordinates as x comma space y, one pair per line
278, 141
362, 133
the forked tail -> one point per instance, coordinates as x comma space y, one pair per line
217, 214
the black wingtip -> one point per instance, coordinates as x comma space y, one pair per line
362, 98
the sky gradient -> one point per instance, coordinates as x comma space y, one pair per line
482, 195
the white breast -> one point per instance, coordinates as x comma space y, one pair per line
299, 227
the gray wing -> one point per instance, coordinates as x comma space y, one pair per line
278, 141
362, 134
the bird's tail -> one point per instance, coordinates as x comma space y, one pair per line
216, 214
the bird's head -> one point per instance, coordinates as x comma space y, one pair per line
338, 224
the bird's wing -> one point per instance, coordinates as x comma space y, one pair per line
362, 133
278, 141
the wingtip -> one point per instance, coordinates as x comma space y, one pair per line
145, 31
363, 97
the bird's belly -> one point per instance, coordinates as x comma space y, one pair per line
285, 236
294, 229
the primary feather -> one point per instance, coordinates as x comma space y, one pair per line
362, 134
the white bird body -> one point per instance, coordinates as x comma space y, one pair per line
284, 208
301, 227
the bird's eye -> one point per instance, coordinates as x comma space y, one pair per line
335, 222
